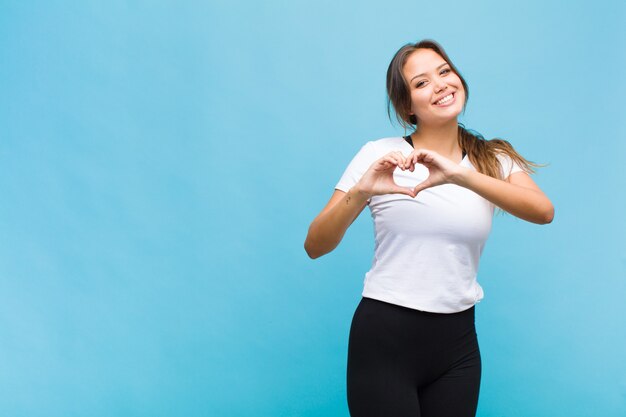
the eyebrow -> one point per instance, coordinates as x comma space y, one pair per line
419, 75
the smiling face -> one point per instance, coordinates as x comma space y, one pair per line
437, 94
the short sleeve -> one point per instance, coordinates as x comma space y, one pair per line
357, 167
508, 166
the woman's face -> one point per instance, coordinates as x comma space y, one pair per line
437, 94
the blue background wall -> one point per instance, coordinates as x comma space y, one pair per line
161, 162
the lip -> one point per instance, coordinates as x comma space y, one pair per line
449, 103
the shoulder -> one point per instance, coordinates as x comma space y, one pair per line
383, 146
507, 157
508, 165
375, 149
392, 143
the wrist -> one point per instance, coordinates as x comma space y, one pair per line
358, 193
461, 177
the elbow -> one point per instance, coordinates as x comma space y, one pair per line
547, 215
313, 254
312, 250
315, 248
540, 214
318, 244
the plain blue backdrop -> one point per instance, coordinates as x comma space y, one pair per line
161, 162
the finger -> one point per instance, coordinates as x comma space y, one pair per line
397, 160
393, 159
413, 160
424, 157
401, 159
407, 161
390, 160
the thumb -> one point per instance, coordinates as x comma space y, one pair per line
404, 190
422, 186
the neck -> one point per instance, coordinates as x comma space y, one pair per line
443, 139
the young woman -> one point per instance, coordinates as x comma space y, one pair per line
413, 349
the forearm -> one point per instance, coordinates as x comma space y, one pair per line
327, 230
526, 203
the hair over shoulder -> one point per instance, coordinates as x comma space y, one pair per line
482, 153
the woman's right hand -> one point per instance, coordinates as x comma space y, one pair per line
328, 228
378, 179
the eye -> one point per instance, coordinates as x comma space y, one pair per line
419, 84
445, 71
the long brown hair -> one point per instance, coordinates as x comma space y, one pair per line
482, 153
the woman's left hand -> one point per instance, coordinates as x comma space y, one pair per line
517, 194
442, 170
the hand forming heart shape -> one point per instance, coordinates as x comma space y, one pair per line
378, 179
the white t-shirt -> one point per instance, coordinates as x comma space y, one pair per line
427, 248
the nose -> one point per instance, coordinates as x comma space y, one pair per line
440, 85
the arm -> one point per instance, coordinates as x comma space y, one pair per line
328, 228
518, 195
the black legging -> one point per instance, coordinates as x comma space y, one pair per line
409, 363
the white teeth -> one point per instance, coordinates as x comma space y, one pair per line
445, 99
